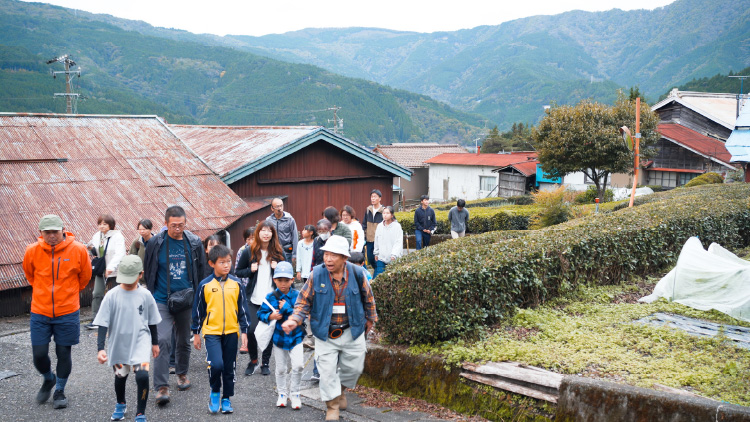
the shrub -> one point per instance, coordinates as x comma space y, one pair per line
590, 194
484, 202
454, 288
481, 220
521, 200
554, 207
705, 179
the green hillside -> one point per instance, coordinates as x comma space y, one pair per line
717, 83
126, 72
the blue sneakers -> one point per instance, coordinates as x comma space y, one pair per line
140, 418
214, 402
226, 406
119, 413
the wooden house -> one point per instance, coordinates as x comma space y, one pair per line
311, 167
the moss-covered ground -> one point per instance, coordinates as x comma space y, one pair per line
592, 333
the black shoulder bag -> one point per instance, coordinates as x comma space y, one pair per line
99, 263
181, 299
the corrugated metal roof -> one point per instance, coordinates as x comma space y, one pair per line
132, 167
719, 107
527, 168
489, 160
233, 152
414, 155
738, 143
708, 147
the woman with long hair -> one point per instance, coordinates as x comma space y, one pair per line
257, 264
389, 238
110, 244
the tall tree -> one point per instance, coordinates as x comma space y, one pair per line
585, 138
493, 143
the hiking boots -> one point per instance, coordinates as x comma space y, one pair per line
162, 396
59, 401
183, 383
46, 390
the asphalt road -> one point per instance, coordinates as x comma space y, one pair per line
91, 396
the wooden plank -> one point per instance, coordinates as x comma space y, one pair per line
510, 387
515, 371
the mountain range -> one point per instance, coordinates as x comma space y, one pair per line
481, 76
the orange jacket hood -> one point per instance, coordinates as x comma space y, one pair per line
56, 275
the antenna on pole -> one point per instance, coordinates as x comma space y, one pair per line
338, 124
71, 98
739, 96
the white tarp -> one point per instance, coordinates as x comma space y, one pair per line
622, 193
704, 280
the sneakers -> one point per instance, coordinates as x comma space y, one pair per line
264, 370
296, 402
162, 396
226, 406
214, 402
315, 376
281, 402
171, 370
46, 390
59, 401
251, 367
183, 383
309, 342
91, 326
140, 418
119, 413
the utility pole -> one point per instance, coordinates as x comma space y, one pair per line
739, 96
71, 98
337, 123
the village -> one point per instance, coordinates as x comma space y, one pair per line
596, 268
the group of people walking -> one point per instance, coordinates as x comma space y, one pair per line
178, 291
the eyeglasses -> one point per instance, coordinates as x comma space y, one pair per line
177, 226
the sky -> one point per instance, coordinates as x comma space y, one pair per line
253, 17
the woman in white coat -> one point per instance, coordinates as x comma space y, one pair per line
389, 241
110, 243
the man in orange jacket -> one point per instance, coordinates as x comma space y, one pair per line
57, 268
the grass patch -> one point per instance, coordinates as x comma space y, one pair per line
591, 333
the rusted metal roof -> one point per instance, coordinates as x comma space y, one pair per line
414, 155
490, 160
710, 148
234, 152
80, 167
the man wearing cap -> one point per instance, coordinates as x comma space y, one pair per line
57, 269
342, 309
373, 217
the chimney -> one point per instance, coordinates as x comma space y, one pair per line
479, 148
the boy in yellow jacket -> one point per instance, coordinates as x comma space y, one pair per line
220, 311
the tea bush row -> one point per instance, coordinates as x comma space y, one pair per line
481, 220
458, 286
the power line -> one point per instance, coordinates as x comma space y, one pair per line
71, 98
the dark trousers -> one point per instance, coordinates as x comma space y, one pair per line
221, 355
370, 246
252, 343
423, 239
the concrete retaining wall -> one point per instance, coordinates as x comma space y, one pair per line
590, 400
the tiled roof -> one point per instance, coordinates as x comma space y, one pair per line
694, 141
414, 155
79, 167
235, 151
490, 160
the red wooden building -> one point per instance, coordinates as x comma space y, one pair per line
309, 167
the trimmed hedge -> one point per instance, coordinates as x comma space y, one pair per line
453, 288
705, 179
484, 202
481, 220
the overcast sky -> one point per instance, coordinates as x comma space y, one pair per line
252, 17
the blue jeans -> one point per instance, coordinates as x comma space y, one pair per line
423, 239
379, 268
370, 253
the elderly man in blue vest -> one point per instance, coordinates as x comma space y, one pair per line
340, 303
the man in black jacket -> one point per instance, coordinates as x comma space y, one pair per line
424, 222
175, 261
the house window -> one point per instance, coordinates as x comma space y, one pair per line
666, 179
487, 183
686, 177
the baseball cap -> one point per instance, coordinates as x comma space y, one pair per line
129, 269
283, 270
337, 244
50, 222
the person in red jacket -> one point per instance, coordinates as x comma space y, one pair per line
57, 268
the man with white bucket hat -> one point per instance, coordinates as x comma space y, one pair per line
342, 309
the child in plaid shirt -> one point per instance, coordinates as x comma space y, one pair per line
287, 347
